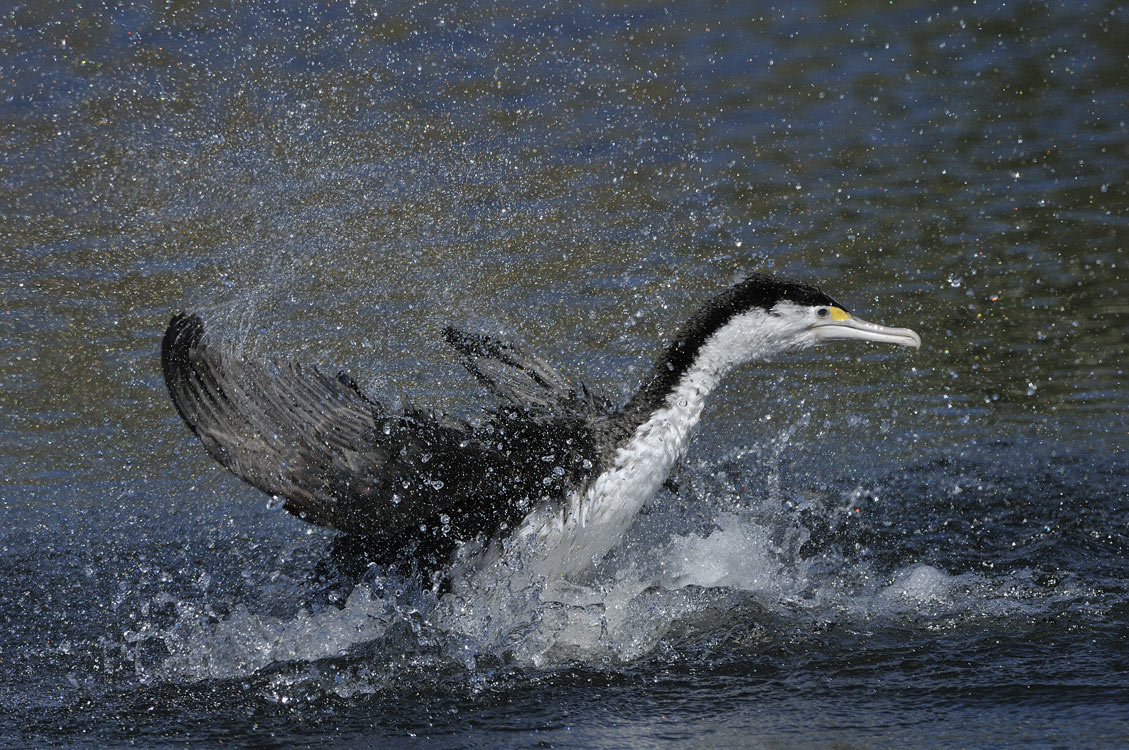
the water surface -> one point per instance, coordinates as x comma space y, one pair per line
868, 548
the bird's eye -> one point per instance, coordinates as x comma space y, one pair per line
822, 312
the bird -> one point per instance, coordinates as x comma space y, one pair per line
553, 468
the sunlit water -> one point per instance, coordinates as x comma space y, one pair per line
866, 548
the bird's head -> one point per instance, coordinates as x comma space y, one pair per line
808, 316
761, 316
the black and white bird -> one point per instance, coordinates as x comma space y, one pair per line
553, 467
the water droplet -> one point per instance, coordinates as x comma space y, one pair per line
274, 502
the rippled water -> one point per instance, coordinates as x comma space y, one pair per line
867, 548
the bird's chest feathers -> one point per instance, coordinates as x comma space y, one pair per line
648, 457
644, 462
595, 517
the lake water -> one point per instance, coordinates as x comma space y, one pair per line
868, 548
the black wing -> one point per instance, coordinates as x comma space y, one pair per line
524, 379
336, 456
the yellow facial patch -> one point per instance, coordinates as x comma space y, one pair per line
838, 313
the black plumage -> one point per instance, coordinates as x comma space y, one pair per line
411, 479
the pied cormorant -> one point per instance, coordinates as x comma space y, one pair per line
553, 464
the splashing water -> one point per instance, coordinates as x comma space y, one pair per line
738, 534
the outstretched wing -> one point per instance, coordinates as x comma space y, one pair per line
523, 378
338, 457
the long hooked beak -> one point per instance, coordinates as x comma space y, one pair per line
841, 326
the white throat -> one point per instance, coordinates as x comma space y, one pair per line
593, 520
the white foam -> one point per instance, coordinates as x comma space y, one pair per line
245, 642
737, 555
920, 583
658, 579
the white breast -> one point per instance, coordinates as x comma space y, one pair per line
594, 519
566, 538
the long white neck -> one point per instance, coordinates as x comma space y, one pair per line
594, 519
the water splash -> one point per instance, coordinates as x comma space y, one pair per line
733, 552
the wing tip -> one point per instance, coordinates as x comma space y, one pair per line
183, 334
465, 343
181, 342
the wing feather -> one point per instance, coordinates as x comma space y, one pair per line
406, 480
337, 456
523, 378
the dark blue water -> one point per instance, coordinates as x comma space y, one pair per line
867, 548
